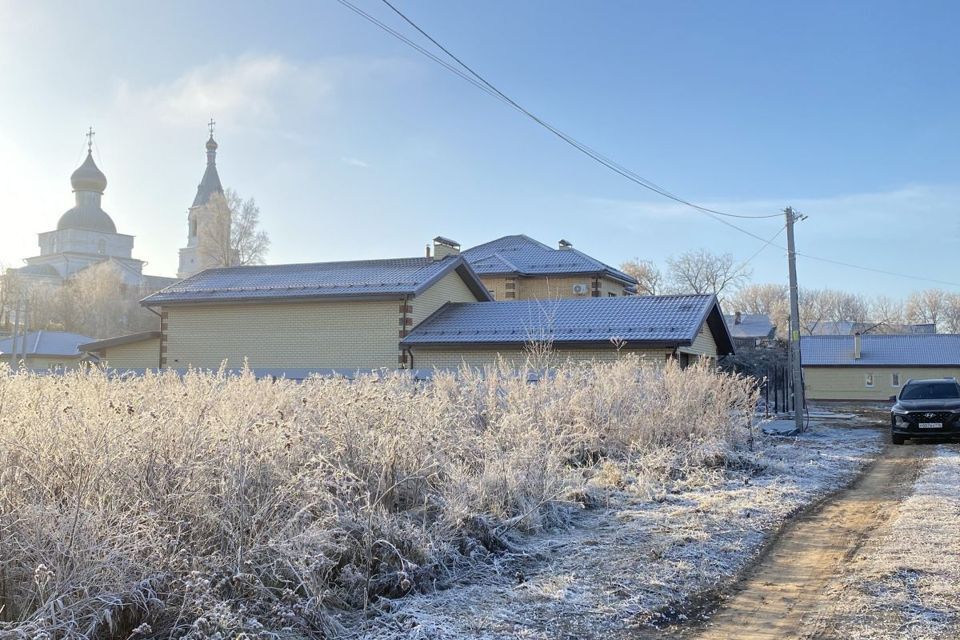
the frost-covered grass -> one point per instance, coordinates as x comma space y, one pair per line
215, 505
654, 555
904, 581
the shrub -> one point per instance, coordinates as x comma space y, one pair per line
211, 504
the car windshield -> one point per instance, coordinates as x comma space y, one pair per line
931, 391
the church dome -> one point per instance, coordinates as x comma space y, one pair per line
89, 218
88, 177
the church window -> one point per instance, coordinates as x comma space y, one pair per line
193, 227
101, 246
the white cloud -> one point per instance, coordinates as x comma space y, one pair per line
251, 90
245, 89
354, 162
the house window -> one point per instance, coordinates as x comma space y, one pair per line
492, 293
894, 379
611, 294
868, 379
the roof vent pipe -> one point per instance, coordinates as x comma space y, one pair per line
857, 345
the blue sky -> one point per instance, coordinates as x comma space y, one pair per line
355, 146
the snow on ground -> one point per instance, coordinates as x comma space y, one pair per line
646, 558
903, 583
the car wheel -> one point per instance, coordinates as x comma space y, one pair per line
897, 439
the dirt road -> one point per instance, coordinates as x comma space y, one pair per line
783, 594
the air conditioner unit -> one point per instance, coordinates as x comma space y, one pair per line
581, 289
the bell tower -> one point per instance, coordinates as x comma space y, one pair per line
208, 220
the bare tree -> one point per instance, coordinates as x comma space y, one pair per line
814, 309
951, 313
231, 235
98, 303
886, 310
701, 271
843, 306
770, 299
928, 305
649, 278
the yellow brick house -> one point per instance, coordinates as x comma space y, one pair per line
874, 367
659, 328
298, 319
518, 267
136, 352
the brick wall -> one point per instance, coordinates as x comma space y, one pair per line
144, 354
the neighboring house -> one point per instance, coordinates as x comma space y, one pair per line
874, 367
520, 268
43, 350
138, 351
658, 327
849, 327
295, 319
751, 329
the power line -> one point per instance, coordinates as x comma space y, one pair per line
874, 270
487, 87
768, 243
474, 78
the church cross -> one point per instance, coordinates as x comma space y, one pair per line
211, 124
90, 133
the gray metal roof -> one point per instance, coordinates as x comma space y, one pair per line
849, 327
882, 350
46, 343
356, 279
121, 340
751, 325
637, 320
522, 255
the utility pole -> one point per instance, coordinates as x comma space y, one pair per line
799, 399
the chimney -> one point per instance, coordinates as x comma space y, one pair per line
737, 318
428, 251
857, 345
564, 244
443, 247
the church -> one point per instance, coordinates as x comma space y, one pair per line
86, 235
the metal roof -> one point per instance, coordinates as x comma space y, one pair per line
849, 327
121, 340
882, 350
751, 325
636, 320
46, 343
210, 183
357, 279
522, 255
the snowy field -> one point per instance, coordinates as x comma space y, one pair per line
903, 582
650, 556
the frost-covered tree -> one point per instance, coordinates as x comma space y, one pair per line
232, 235
649, 278
702, 271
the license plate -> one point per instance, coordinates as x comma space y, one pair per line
930, 425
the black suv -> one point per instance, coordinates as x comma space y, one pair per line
926, 409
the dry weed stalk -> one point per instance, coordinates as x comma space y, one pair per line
213, 505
